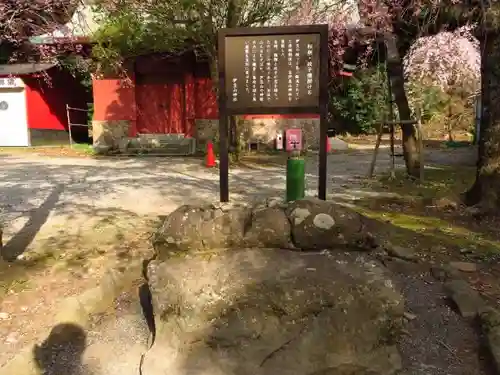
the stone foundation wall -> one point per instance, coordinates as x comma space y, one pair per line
262, 131
45, 137
110, 134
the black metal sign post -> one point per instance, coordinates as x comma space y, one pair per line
273, 70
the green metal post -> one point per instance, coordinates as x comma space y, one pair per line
295, 178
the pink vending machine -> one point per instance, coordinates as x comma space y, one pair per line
293, 140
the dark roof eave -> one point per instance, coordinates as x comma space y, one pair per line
23, 69
62, 40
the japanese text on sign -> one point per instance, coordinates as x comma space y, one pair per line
272, 71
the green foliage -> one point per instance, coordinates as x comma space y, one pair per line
78, 67
363, 102
430, 99
442, 111
90, 113
130, 28
127, 33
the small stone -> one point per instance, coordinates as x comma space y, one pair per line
300, 214
11, 338
444, 273
409, 316
274, 202
446, 204
4, 316
399, 266
473, 211
122, 253
401, 252
464, 266
490, 325
323, 221
467, 300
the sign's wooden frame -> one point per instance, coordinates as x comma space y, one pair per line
321, 108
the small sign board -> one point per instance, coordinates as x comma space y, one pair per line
294, 140
10, 82
273, 70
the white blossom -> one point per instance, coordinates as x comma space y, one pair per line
446, 59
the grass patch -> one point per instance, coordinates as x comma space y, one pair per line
419, 222
83, 148
429, 233
268, 159
77, 149
13, 276
439, 182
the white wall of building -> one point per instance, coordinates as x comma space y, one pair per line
13, 113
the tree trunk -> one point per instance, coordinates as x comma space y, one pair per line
486, 189
396, 77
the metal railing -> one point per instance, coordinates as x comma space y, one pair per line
70, 124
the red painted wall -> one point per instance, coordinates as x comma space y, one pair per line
190, 87
162, 101
114, 99
46, 99
154, 108
205, 100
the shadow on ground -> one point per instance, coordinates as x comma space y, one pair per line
61, 352
36, 219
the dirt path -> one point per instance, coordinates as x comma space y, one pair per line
67, 220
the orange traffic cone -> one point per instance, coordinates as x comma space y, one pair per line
210, 158
328, 145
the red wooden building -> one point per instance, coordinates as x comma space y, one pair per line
162, 94
33, 99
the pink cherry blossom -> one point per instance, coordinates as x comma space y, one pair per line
445, 59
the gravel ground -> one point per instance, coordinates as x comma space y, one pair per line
158, 185
112, 345
438, 340
42, 199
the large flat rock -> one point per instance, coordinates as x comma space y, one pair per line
264, 311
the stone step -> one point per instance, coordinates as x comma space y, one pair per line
176, 144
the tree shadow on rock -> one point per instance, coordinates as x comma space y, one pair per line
272, 309
62, 351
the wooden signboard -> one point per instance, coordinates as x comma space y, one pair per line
273, 70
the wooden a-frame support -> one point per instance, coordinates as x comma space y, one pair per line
380, 132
